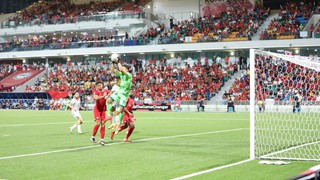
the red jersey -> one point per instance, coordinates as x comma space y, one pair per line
101, 103
129, 105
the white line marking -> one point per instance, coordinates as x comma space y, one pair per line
139, 140
211, 170
290, 159
291, 148
37, 124
70, 122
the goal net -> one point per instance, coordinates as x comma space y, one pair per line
285, 106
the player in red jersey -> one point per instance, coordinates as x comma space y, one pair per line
128, 120
99, 111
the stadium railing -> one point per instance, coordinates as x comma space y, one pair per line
80, 44
99, 17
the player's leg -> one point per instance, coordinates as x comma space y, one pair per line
120, 113
102, 128
97, 120
110, 100
79, 122
76, 124
122, 104
120, 118
129, 132
114, 119
95, 130
120, 127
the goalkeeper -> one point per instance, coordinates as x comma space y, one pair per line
121, 96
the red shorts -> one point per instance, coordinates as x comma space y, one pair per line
99, 115
127, 119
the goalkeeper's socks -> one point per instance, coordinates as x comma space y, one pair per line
109, 107
120, 117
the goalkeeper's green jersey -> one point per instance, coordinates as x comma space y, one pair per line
126, 82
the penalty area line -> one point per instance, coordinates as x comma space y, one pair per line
111, 144
211, 170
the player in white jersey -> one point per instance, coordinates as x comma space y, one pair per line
75, 105
115, 88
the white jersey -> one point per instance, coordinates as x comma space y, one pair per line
76, 103
115, 88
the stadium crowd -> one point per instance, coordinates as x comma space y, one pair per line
33, 104
240, 88
161, 84
75, 40
244, 22
291, 19
6, 70
60, 11
281, 80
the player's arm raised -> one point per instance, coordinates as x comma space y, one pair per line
113, 69
122, 69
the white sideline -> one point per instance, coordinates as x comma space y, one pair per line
139, 140
211, 170
70, 122
37, 124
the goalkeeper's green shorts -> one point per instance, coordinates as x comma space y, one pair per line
119, 98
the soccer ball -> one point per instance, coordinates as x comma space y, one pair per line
114, 57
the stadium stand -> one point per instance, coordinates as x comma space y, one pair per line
60, 12
19, 75
161, 85
292, 18
276, 80
6, 70
235, 24
240, 88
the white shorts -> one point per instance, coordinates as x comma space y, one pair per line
76, 114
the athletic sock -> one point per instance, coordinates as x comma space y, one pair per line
79, 128
120, 117
130, 130
95, 130
102, 132
109, 107
117, 120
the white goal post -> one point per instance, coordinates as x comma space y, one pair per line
284, 106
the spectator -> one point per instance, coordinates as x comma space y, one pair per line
200, 100
177, 106
230, 107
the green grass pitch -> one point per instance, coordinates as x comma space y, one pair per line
38, 145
